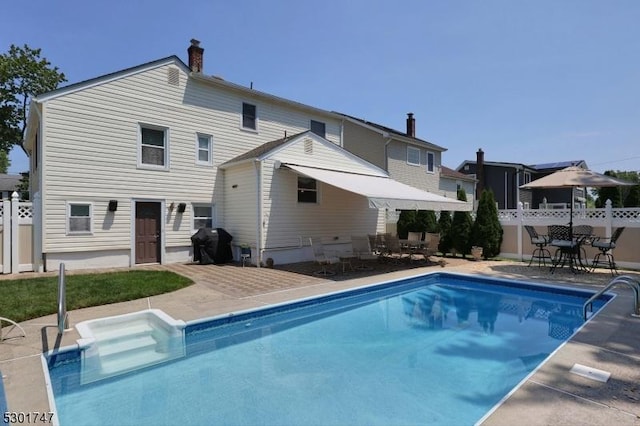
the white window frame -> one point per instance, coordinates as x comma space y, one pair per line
209, 162
413, 149
317, 191
167, 138
212, 208
68, 217
433, 163
248, 129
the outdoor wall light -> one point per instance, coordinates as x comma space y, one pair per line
113, 205
234, 186
182, 207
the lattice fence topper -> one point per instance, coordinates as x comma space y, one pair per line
25, 210
507, 215
632, 214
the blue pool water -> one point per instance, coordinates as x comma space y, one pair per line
439, 349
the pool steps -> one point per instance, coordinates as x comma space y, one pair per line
119, 344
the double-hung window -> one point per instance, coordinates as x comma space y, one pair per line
79, 218
431, 159
319, 128
413, 156
203, 149
249, 116
154, 146
202, 216
307, 190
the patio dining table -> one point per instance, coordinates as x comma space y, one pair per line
569, 244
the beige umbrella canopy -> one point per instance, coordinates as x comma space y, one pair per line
575, 177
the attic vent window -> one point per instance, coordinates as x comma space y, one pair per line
308, 146
173, 76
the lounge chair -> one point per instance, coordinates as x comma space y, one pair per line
362, 250
323, 259
394, 250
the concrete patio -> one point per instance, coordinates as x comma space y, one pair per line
551, 396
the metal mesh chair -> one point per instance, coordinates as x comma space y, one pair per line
606, 248
540, 241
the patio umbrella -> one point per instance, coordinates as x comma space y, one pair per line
575, 177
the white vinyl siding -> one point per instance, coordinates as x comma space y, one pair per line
154, 147
413, 156
204, 144
91, 149
79, 218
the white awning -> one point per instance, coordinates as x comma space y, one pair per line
383, 192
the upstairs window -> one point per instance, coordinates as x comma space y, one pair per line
527, 177
319, 128
431, 159
413, 156
307, 190
203, 149
79, 218
249, 117
154, 143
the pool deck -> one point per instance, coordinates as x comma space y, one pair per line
551, 396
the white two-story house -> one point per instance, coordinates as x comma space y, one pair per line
127, 166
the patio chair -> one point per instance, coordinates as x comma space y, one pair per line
540, 241
323, 259
395, 252
362, 250
606, 248
414, 244
431, 243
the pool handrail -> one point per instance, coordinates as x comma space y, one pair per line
622, 279
62, 300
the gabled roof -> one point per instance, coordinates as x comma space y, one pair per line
110, 77
261, 150
558, 165
9, 182
446, 172
497, 164
245, 91
391, 132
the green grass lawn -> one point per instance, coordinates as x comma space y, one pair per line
23, 299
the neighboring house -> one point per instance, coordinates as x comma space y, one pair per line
505, 179
451, 181
9, 184
408, 159
127, 166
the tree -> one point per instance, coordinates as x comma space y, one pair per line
23, 74
487, 231
5, 162
444, 225
416, 221
461, 228
427, 220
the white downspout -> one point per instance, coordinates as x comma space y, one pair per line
518, 186
258, 167
386, 156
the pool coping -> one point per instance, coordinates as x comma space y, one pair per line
541, 399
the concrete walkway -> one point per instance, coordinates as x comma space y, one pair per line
551, 396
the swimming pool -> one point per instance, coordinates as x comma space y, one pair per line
435, 349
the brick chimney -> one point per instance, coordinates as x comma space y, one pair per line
411, 125
195, 56
479, 173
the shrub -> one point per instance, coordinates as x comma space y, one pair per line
487, 231
444, 225
461, 228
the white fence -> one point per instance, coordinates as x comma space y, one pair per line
16, 223
516, 243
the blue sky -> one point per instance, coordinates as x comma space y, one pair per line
526, 81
